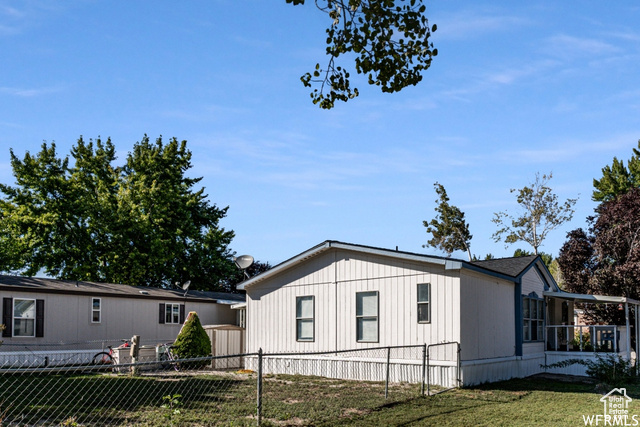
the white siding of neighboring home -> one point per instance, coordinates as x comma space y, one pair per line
488, 317
67, 318
334, 278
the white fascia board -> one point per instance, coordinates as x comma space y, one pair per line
285, 265
447, 263
542, 268
390, 253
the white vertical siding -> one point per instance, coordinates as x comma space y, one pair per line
532, 282
334, 278
271, 308
67, 318
488, 317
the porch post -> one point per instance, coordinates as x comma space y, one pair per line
517, 306
637, 322
626, 318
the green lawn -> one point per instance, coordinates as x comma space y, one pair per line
524, 402
230, 399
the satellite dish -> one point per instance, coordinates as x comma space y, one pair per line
243, 261
186, 284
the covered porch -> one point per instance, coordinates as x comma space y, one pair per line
568, 335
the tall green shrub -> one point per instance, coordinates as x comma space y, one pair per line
192, 341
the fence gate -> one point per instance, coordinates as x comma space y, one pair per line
442, 365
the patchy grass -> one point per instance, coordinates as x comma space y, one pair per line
230, 399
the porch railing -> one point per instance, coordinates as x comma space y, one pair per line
589, 338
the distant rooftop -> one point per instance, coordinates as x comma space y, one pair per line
46, 285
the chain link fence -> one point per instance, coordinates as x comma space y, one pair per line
244, 389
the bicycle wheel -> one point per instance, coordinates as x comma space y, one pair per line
172, 359
102, 358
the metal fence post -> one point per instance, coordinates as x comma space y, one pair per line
424, 367
386, 385
259, 409
459, 379
428, 375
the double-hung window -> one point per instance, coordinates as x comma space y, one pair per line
96, 310
367, 316
24, 317
305, 318
424, 302
172, 313
533, 319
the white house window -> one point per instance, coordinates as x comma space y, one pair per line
533, 319
24, 317
172, 313
367, 316
424, 302
96, 309
305, 318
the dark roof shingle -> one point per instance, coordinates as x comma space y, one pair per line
46, 285
510, 266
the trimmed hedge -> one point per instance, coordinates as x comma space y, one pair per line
192, 341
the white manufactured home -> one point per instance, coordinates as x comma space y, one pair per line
508, 316
40, 312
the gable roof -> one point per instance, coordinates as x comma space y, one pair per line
506, 268
513, 266
54, 286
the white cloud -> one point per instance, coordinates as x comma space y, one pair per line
472, 23
569, 47
28, 93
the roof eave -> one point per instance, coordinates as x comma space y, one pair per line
595, 299
448, 264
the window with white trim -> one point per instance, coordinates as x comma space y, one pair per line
172, 313
533, 319
367, 316
305, 313
424, 302
24, 317
96, 310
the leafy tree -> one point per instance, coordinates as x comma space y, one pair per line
606, 259
541, 214
486, 257
618, 179
449, 229
390, 39
142, 223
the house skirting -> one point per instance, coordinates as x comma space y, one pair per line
480, 371
44, 358
441, 373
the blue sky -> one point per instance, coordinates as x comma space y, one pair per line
517, 88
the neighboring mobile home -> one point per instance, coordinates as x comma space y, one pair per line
338, 296
39, 311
